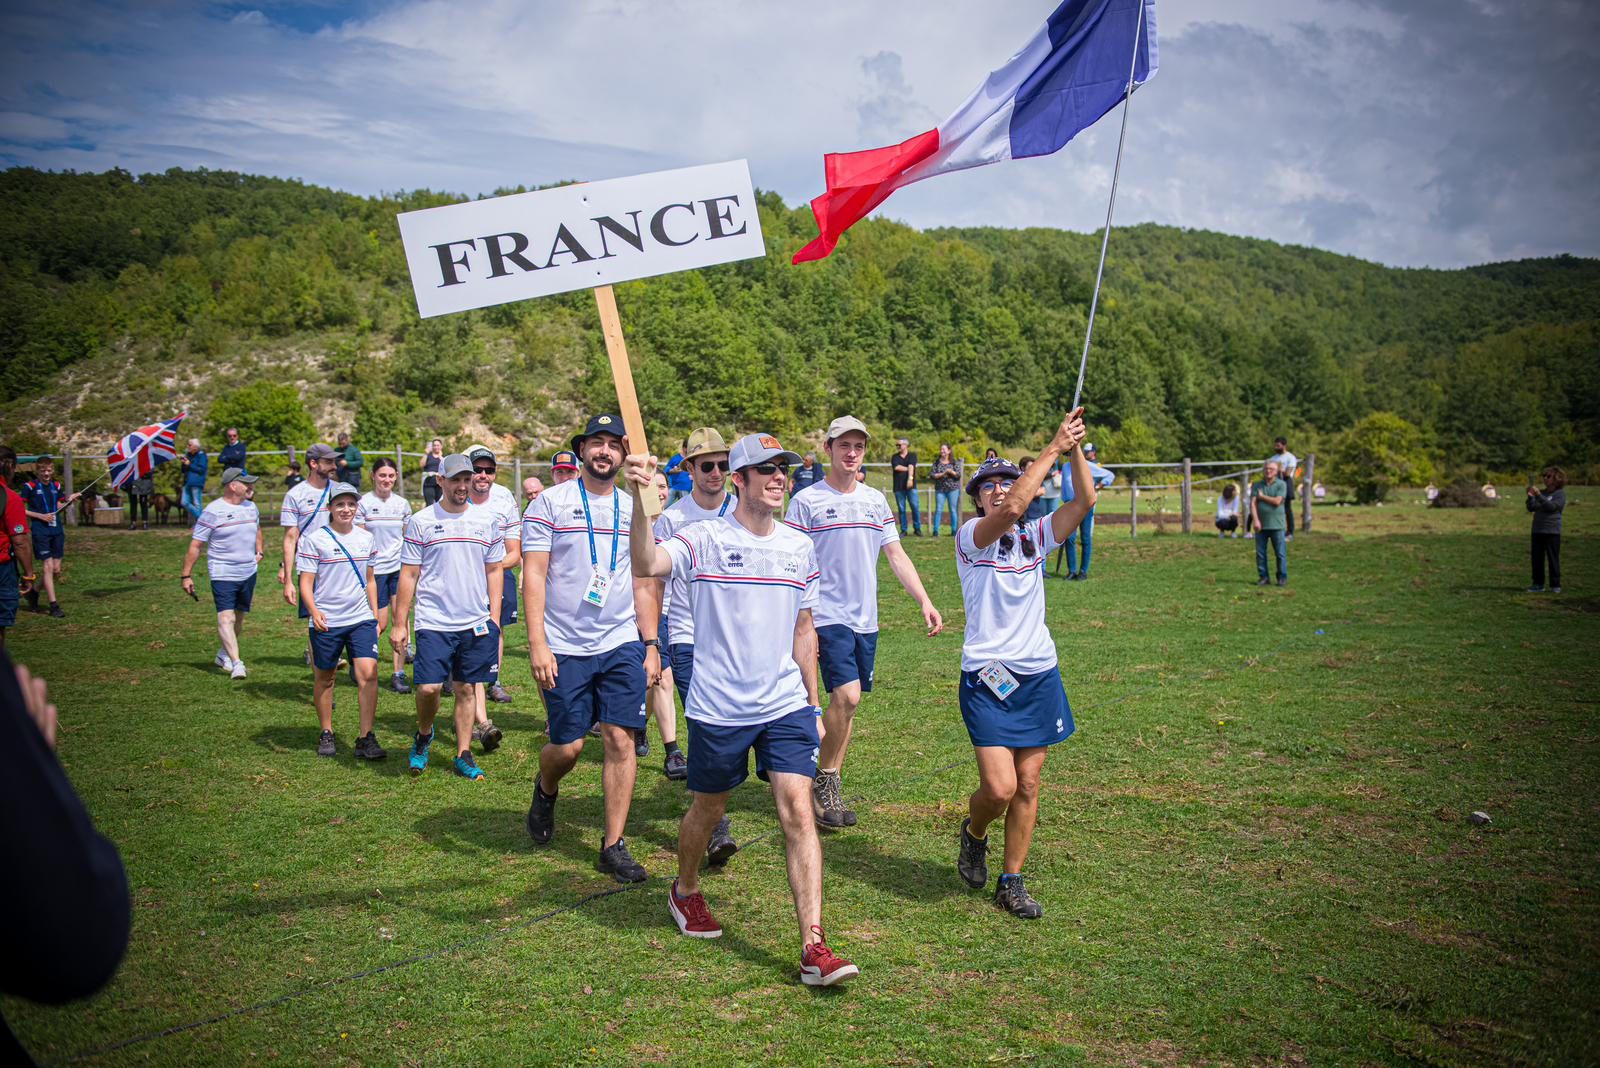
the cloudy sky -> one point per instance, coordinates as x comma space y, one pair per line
1413, 132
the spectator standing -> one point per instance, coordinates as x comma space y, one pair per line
1288, 468
1050, 490
1227, 520
430, 471
1036, 506
140, 490
531, 488
294, 477
679, 481
904, 465
348, 463
194, 467
43, 503
809, 473
232, 454
16, 545
1266, 506
946, 475
1101, 477
1546, 506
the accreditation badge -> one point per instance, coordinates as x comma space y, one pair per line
599, 587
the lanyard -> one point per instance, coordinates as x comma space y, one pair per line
725, 502
326, 487
616, 525
360, 578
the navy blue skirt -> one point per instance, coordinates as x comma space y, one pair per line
1036, 713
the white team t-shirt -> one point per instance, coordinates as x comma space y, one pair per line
746, 593
680, 514
385, 520
452, 549
304, 507
504, 506
229, 531
849, 530
1003, 592
340, 588
555, 524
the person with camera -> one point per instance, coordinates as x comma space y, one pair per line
1546, 505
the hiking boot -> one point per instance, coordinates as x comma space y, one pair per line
417, 759
465, 765
691, 915
1283, 582
615, 862
398, 683
1012, 896
327, 745
367, 747
973, 861
722, 844
641, 742
448, 689
541, 814
490, 736
825, 796
236, 671
676, 765
497, 693
819, 967
594, 729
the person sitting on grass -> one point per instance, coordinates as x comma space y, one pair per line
338, 589
1012, 700
1546, 506
1228, 511
230, 529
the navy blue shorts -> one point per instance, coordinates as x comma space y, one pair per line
388, 587
305, 613
720, 756
508, 601
681, 657
8, 594
52, 543
230, 594
1036, 713
456, 654
605, 688
846, 656
361, 639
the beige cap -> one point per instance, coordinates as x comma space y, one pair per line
843, 425
706, 439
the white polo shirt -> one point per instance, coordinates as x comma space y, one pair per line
340, 588
555, 523
746, 591
385, 520
304, 507
675, 517
849, 530
451, 550
229, 531
1003, 592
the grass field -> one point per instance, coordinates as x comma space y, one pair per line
1270, 863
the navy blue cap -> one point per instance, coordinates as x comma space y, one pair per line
604, 423
990, 468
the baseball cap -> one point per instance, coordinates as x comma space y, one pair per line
453, 465
990, 468
481, 452
1088, 446
321, 451
844, 424
706, 439
758, 449
604, 423
564, 459
236, 474
342, 489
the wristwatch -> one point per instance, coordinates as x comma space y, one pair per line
653, 641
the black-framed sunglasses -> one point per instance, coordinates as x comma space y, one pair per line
483, 470
767, 469
707, 466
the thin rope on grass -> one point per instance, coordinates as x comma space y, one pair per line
494, 935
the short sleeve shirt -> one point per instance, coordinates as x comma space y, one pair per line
229, 534
747, 592
340, 588
1003, 593
683, 512
16, 520
555, 523
44, 497
304, 507
903, 474
849, 530
1270, 515
451, 549
385, 520
504, 505
681, 479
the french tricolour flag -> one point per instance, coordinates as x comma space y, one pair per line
1073, 70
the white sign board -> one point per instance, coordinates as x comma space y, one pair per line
526, 245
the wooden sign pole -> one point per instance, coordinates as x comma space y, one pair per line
627, 399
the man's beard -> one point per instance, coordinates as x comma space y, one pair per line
594, 472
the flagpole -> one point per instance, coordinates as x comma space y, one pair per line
1133, 64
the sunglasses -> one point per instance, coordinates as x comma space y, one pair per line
483, 470
768, 469
707, 466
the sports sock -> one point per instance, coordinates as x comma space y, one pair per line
675, 893
672, 747
1009, 875
980, 837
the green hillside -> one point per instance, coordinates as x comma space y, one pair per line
123, 299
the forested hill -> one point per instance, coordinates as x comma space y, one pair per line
286, 308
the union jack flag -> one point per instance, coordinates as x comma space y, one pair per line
138, 454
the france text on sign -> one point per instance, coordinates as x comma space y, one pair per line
525, 245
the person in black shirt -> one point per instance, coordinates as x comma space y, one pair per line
294, 477
1546, 506
904, 464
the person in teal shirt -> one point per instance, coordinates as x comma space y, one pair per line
1266, 507
348, 462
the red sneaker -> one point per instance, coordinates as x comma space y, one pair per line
691, 915
819, 967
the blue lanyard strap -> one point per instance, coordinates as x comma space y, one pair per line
616, 525
360, 578
725, 502
325, 488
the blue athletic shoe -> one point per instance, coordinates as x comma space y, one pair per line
465, 765
417, 760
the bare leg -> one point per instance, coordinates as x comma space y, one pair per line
555, 761
1008, 784
1024, 809
997, 784
427, 706
228, 627
322, 696
694, 835
366, 692
48, 572
842, 703
803, 851
618, 773
469, 698
659, 700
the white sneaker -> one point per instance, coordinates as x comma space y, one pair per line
238, 669
221, 660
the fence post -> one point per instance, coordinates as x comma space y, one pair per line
290, 450
71, 514
399, 479
1305, 493
516, 491
1133, 509
1187, 489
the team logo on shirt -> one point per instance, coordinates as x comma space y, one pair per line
791, 568
831, 513
735, 559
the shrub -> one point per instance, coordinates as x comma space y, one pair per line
1379, 452
268, 415
1462, 493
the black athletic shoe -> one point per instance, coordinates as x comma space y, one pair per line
33, 599
56, 612
541, 814
1283, 582
1012, 896
326, 744
398, 683
641, 742
676, 765
973, 861
722, 844
367, 747
615, 862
